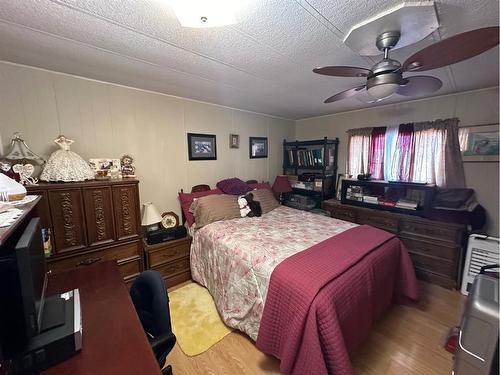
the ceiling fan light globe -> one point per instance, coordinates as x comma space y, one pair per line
383, 91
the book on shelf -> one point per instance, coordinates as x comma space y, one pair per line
407, 204
370, 199
310, 158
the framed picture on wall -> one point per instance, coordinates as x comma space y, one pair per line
258, 147
234, 141
202, 146
479, 143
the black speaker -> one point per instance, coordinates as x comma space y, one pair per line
162, 235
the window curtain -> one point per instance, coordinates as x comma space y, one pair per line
454, 168
359, 150
402, 162
376, 155
429, 146
429, 152
391, 137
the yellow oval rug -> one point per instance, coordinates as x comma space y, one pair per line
195, 320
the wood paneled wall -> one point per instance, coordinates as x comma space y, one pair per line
107, 120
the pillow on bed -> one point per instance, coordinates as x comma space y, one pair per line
213, 208
261, 185
234, 186
266, 199
187, 198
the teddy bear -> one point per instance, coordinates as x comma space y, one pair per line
249, 207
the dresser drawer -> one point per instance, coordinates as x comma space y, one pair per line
173, 268
433, 249
344, 214
118, 253
166, 253
434, 230
381, 221
434, 265
130, 268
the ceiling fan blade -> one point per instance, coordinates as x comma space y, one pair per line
452, 50
344, 94
419, 85
343, 71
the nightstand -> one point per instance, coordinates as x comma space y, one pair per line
170, 259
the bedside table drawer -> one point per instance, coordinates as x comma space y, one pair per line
167, 254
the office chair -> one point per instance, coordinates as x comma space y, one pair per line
149, 295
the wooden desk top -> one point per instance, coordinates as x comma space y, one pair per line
114, 341
5, 232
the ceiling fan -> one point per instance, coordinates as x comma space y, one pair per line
385, 78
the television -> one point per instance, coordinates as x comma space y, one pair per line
23, 282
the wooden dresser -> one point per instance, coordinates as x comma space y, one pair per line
435, 247
91, 222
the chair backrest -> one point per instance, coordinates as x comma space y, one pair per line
198, 188
149, 295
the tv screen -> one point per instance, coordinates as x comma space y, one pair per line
32, 272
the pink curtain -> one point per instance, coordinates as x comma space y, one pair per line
376, 156
359, 150
402, 163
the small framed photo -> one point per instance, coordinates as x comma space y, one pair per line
479, 143
202, 146
258, 147
104, 164
234, 141
338, 188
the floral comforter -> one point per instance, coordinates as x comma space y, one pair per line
234, 259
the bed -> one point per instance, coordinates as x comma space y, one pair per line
236, 259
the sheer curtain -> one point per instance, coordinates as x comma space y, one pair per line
429, 152
391, 137
402, 162
359, 150
429, 146
376, 156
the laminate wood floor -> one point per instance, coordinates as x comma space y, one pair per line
407, 340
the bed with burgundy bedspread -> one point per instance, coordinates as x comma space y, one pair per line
305, 287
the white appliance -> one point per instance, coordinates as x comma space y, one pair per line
481, 251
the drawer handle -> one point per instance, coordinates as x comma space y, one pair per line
88, 262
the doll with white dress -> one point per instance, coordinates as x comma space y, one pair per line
66, 165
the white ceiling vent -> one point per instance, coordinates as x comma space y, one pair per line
415, 20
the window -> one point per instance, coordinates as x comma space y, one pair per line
426, 152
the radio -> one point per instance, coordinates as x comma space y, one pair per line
162, 235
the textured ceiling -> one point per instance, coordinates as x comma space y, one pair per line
261, 64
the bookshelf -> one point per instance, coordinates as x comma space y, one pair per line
312, 168
401, 197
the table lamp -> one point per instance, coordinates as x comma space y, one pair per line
150, 217
282, 185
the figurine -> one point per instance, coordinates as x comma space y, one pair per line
65, 165
128, 169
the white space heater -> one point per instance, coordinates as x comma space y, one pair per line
481, 251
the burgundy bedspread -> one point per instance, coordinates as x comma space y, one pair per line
322, 301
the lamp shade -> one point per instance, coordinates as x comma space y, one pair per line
149, 214
282, 185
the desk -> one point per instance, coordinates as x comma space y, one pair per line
114, 341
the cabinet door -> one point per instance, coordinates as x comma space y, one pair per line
99, 215
126, 205
68, 223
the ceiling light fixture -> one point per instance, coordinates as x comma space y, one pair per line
206, 13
